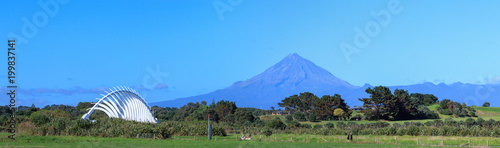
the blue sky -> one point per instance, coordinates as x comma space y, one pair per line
85, 47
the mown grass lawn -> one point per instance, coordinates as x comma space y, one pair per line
274, 141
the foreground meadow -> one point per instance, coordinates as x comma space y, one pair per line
274, 141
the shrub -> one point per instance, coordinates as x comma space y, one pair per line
59, 124
242, 114
480, 121
293, 124
299, 116
384, 124
463, 113
356, 118
472, 111
426, 113
267, 131
318, 126
276, 123
247, 124
289, 118
450, 122
456, 112
342, 125
219, 131
438, 123
469, 122
330, 125
396, 125
429, 123
40, 119
259, 123
82, 123
312, 117
445, 111
305, 125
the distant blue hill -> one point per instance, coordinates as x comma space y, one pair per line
294, 75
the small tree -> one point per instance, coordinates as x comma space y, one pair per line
267, 131
299, 116
330, 125
338, 113
289, 118
275, 123
242, 115
312, 117
456, 112
486, 104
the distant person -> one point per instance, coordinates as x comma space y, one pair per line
348, 139
350, 136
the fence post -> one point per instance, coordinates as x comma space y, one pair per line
275, 138
260, 137
340, 138
487, 143
396, 140
291, 137
418, 142
469, 142
442, 142
375, 140
307, 138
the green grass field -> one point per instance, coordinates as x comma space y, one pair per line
274, 141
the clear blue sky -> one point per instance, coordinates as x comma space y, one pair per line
90, 45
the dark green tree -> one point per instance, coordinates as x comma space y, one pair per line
289, 118
290, 103
326, 106
299, 116
486, 104
242, 115
312, 117
307, 101
406, 109
225, 108
375, 105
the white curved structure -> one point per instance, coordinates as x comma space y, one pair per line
124, 103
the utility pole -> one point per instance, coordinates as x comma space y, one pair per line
209, 128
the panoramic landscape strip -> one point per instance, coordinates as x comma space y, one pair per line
260, 73
386, 118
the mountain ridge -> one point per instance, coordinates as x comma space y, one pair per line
294, 75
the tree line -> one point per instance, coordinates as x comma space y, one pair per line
226, 117
382, 104
326, 107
